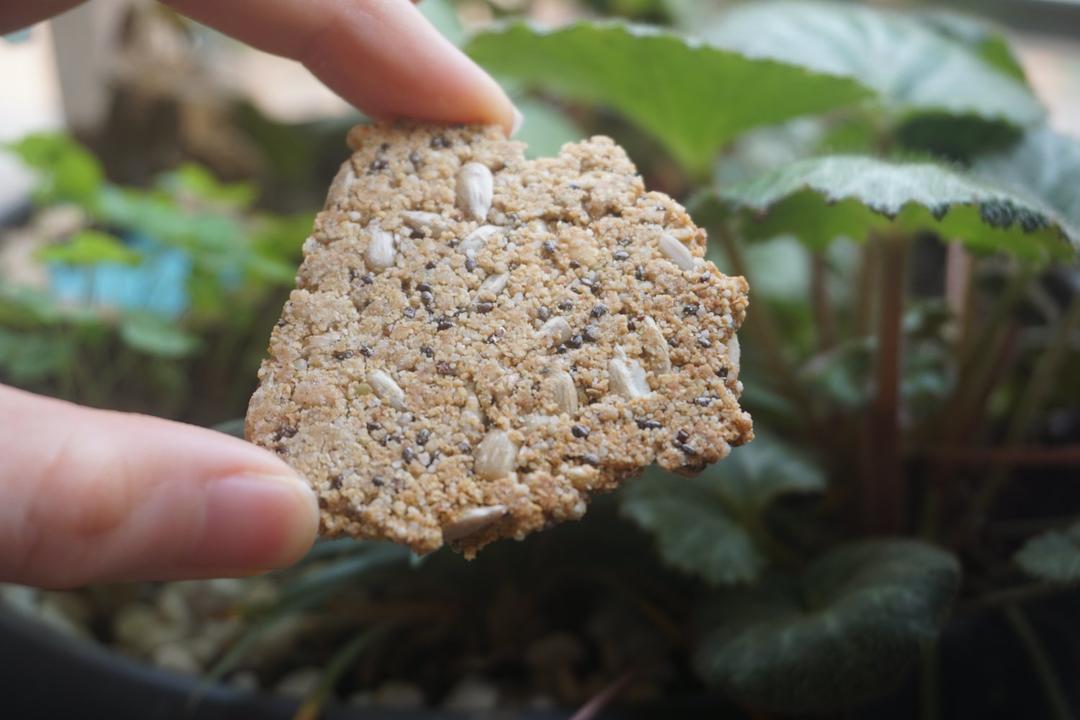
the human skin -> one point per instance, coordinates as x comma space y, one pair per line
95, 496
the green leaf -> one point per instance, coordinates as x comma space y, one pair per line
694, 98
27, 357
546, 129
706, 525
912, 67
845, 630
90, 247
1053, 556
198, 181
1044, 164
822, 199
979, 35
68, 172
155, 335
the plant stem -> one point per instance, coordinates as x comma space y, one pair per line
1031, 404
1056, 700
868, 268
819, 301
958, 289
884, 494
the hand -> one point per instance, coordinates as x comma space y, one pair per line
90, 496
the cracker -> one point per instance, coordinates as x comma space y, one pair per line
478, 342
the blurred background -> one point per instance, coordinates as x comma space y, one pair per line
156, 182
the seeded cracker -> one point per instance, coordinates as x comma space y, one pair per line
478, 342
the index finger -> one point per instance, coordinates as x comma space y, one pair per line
383, 56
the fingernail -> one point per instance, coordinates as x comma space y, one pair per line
256, 522
519, 121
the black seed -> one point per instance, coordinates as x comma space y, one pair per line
591, 333
408, 454
423, 287
343, 354
703, 339
590, 459
406, 285
639, 272
377, 481
414, 158
367, 279
493, 337
631, 325
682, 436
599, 311
335, 482
280, 323
470, 264
423, 436
704, 400
544, 312
579, 431
373, 426
430, 265
691, 309
410, 312
574, 264
444, 368
353, 274
620, 255
561, 350
704, 277
383, 147
440, 141
427, 351
648, 424
464, 446
575, 341
587, 282
426, 297
566, 306
722, 372
484, 307
377, 165
444, 323
687, 449
548, 247
285, 431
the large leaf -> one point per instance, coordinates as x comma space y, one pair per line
68, 172
706, 525
693, 97
981, 36
821, 199
842, 632
1053, 556
90, 247
913, 67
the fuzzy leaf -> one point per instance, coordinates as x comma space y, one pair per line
157, 336
90, 247
821, 199
693, 97
844, 631
912, 67
1053, 556
1044, 164
704, 525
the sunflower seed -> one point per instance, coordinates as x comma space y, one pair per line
535, 422
496, 456
734, 353
676, 252
387, 389
564, 391
472, 521
420, 220
626, 377
475, 187
494, 284
557, 330
339, 188
380, 250
477, 239
655, 346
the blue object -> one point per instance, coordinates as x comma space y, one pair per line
157, 285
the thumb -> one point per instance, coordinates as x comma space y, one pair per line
89, 496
